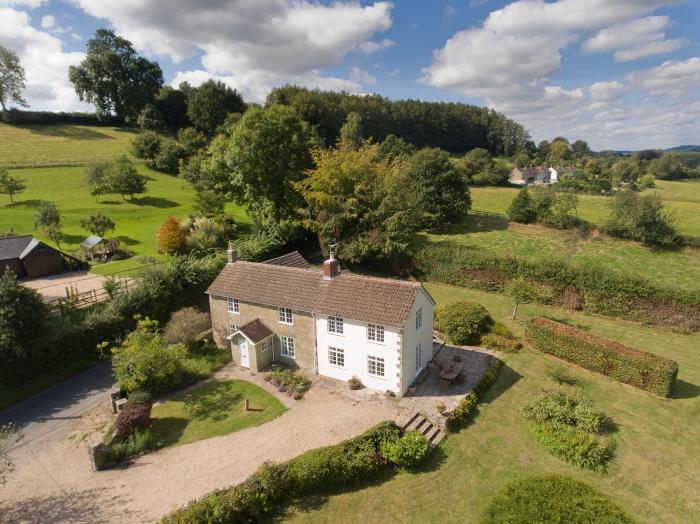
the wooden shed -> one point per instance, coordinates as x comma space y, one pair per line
30, 258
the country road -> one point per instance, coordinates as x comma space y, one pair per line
53, 412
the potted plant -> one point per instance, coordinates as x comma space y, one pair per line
354, 382
441, 408
412, 388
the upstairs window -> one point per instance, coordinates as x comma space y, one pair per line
335, 325
375, 333
284, 315
233, 305
419, 318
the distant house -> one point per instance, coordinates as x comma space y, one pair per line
324, 321
31, 258
539, 175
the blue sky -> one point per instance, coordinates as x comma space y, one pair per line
617, 73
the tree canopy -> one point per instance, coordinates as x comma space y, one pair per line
12, 78
115, 78
10, 185
209, 104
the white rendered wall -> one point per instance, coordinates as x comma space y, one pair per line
411, 339
356, 347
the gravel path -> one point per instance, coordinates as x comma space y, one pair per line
54, 483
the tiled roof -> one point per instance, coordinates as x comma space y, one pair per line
255, 331
383, 301
293, 259
13, 247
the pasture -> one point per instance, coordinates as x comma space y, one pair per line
652, 474
61, 144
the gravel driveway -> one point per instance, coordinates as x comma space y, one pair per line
54, 483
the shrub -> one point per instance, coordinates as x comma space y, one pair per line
185, 326
625, 364
462, 322
289, 380
168, 157
552, 498
499, 343
464, 410
138, 443
407, 451
139, 398
172, 237
133, 418
146, 145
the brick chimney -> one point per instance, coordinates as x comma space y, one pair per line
330, 266
232, 253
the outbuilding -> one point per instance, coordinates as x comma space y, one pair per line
30, 258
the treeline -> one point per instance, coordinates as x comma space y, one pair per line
18, 116
451, 126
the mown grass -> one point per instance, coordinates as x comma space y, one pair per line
680, 197
652, 476
213, 409
55, 144
137, 220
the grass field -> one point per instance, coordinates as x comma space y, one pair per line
653, 476
680, 197
213, 409
137, 220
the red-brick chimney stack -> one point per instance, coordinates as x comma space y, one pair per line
330, 266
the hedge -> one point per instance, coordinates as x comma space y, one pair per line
273, 485
464, 410
591, 289
17, 116
625, 364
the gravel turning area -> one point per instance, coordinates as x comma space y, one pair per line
53, 482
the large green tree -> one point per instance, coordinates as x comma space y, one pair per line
441, 191
359, 201
115, 78
12, 78
351, 134
268, 151
48, 221
209, 104
643, 218
124, 179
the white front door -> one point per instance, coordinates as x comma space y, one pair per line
243, 349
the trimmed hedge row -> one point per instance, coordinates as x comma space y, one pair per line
273, 485
464, 410
17, 116
591, 289
622, 363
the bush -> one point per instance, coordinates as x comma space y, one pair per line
464, 410
133, 418
625, 364
185, 326
138, 443
273, 485
172, 237
139, 398
552, 498
462, 322
168, 157
17, 116
290, 380
499, 343
407, 451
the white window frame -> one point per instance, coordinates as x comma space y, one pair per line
233, 306
336, 357
419, 318
335, 325
232, 328
375, 333
285, 315
419, 356
265, 345
287, 348
375, 363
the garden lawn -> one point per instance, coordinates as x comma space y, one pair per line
213, 409
56, 144
652, 477
136, 220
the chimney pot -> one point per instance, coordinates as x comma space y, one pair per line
232, 253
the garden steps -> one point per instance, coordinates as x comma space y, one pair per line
416, 421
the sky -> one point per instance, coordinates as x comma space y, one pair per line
620, 74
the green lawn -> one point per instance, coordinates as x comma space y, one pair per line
213, 409
653, 476
137, 220
681, 197
55, 144
670, 268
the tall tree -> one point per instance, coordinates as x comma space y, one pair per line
10, 185
96, 178
12, 78
48, 220
351, 133
115, 78
124, 179
209, 104
97, 224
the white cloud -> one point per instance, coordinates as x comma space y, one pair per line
634, 39
361, 77
47, 21
672, 78
32, 4
44, 61
370, 46
509, 60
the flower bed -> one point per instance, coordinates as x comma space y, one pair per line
288, 381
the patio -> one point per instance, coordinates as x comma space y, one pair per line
432, 390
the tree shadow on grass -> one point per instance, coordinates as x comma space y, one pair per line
73, 239
507, 378
127, 241
32, 202
169, 429
213, 402
158, 202
683, 389
473, 224
68, 132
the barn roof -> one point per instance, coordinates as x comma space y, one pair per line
16, 247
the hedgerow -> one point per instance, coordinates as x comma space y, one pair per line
595, 290
625, 364
274, 485
464, 410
